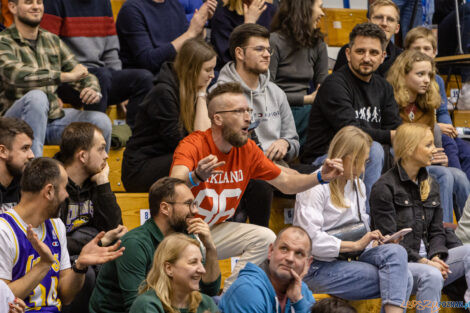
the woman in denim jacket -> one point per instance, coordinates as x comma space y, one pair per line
407, 196
381, 269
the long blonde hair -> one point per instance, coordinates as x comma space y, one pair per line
169, 251
351, 142
407, 138
234, 5
188, 65
396, 77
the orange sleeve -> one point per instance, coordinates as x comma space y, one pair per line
186, 153
263, 167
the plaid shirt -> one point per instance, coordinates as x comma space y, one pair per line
24, 67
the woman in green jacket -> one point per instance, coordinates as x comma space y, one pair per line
172, 285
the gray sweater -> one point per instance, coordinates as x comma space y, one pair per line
293, 69
270, 105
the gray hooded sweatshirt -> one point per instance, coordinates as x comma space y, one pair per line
270, 106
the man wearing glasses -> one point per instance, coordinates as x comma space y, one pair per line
276, 134
217, 165
386, 15
172, 209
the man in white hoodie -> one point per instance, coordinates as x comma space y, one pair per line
276, 134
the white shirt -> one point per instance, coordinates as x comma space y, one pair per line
6, 296
8, 253
315, 213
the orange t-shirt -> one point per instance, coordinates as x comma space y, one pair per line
219, 195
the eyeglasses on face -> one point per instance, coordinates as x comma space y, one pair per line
237, 111
189, 204
261, 49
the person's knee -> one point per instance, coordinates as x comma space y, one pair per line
264, 236
102, 121
396, 252
37, 102
431, 279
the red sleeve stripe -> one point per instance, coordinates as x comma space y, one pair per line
88, 27
51, 23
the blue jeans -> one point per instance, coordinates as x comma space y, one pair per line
458, 153
380, 272
33, 108
406, 11
373, 168
452, 181
428, 281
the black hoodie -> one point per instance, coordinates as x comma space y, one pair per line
11, 195
157, 129
91, 206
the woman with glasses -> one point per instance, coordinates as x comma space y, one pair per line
175, 107
378, 270
172, 285
300, 59
232, 13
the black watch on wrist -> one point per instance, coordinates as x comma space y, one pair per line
76, 270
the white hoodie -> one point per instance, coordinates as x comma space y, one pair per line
270, 106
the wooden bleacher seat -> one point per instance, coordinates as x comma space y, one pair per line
338, 23
114, 161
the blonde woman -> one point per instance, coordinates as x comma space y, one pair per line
174, 108
172, 284
381, 269
408, 197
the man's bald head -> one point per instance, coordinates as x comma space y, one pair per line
215, 98
297, 231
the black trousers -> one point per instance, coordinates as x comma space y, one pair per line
138, 176
116, 86
255, 203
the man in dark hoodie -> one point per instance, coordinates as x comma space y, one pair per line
91, 206
16, 138
276, 134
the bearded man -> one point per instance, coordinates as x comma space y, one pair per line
217, 165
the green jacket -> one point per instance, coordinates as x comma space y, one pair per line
148, 302
119, 280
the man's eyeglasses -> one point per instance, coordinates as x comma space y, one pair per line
261, 49
237, 111
189, 204
380, 18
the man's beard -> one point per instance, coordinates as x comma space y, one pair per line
178, 225
254, 70
362, 73
30, 23
13, 170
234, 138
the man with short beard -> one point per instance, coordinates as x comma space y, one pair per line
33, 62
218, 164
91, 206
276, 133
172, 209
34, 261
355, 95
16, 138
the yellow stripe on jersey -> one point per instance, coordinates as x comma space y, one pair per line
24, 230
14, 237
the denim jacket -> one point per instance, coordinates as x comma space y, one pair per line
395, 203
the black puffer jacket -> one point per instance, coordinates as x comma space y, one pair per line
395, 203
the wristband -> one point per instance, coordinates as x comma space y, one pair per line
320, 180
201, 94
198, 177
76, 270
191, 180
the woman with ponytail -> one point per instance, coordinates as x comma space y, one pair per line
408, 197
172, 284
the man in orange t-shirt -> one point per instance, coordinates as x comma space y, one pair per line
217, 165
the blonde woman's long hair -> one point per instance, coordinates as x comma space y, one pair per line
406, 140
351, 142
234, 5
188, 65
396, 77
169, 251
